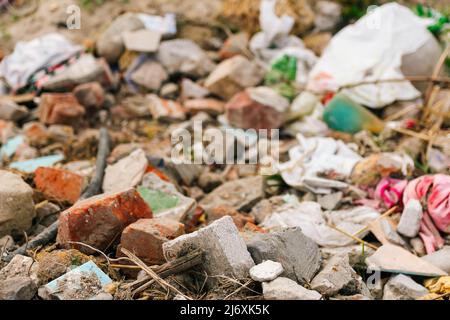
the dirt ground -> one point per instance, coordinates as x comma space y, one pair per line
51, 16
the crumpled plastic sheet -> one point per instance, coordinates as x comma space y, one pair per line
437, 287
371, 50
434, 192
315, 156
315, 223
32, 56
274, 41
390, 191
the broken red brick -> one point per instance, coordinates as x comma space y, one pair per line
243, 112
90, 95
146, 237
211, 106
220, 211
36, 133
99, 221
60, 108
60, 185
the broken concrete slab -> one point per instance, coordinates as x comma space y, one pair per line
266, 271
149, 75
356, 253
440, 258
384, 230
236, 194
184, 56
110, 44
17, 288
234, 75
410, 219
299, 255
401, 287
337, 277
142, 40
11, 111
192, 90
224, 249
16, 204
20, 266
395, 259
126, 173
287, 289
82, 283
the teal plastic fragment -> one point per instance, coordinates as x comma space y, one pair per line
10, 147
89, 268
29, 166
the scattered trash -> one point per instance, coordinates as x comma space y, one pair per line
95, 203
394, 259
82, 283
371, 60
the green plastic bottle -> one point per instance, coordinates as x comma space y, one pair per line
345, 115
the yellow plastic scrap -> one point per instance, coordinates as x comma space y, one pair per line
438, 287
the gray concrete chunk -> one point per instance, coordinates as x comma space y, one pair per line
287, 289
16, 204
401, 287
17, 288
440, 259
409, 224
240, 194
337, 277
298, 254
225, 250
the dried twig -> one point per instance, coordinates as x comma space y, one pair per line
170, 268
384, 215
152, 273
354, 238
436, 72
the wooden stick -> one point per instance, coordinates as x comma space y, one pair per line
179, 265
436, 72
384, 215
413, 133
152, 273
354, 238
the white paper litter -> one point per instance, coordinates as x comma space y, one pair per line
315, 156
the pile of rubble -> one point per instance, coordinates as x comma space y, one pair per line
356, 205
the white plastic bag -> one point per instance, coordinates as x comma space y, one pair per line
371, 50
29, 57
